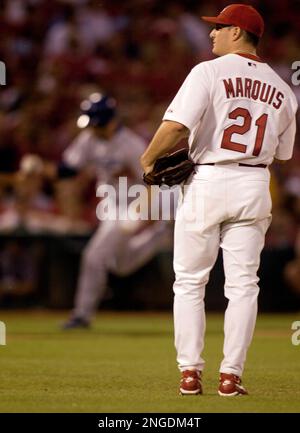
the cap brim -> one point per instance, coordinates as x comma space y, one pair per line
216, 20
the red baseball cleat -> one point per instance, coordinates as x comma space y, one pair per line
190, 383
230, 385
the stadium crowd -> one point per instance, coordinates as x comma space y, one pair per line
57, 52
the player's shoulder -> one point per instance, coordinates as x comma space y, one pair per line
225, 62
85, 134
210, 66
203, 66
285, 87
283, 83
83, 137
128, 132
127, 135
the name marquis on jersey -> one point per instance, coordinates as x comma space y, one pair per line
253, 89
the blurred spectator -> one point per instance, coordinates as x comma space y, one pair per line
24, 207
292, 269
18, 273
29, 208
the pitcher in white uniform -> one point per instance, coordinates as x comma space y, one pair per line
238, 115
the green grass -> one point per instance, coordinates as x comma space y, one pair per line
126, 363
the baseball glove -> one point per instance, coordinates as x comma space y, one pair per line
170, 169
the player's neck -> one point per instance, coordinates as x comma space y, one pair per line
251, 51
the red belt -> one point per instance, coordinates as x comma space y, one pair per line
240, 163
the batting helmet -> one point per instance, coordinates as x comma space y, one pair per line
97, 110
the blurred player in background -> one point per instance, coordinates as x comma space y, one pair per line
122, 246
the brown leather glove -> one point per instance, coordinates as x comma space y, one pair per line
170, 169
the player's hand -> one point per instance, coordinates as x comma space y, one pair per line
147, 168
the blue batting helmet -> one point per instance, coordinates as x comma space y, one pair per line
97, 110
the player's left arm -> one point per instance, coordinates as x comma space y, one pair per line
166, 137
286, 142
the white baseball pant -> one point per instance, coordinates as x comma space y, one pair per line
114, 247
229, 206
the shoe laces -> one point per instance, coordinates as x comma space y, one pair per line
230, 378
190, 375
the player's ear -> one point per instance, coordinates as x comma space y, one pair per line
237, 33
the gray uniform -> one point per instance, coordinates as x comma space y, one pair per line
115, 246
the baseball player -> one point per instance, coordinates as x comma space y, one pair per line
120, 246
238, 115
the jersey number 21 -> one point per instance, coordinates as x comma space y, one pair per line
261, 123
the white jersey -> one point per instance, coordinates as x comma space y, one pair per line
110, 159
237, 109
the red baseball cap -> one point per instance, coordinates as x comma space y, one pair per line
240, 15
